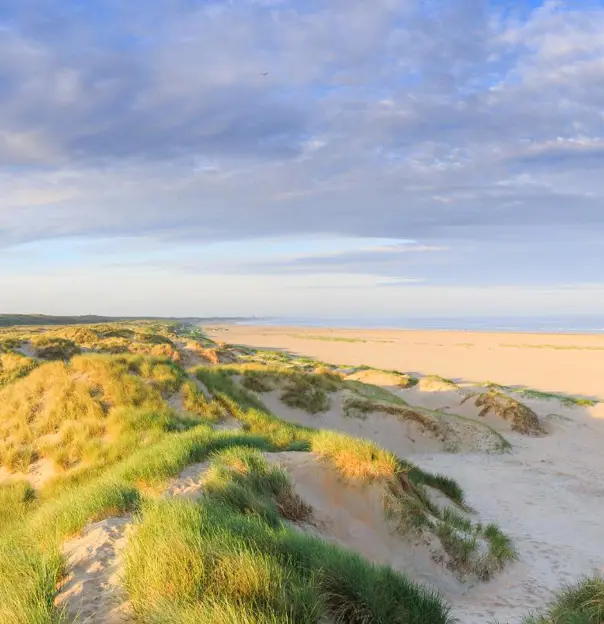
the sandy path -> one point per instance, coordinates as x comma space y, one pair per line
559, 363
92, 592
189, 482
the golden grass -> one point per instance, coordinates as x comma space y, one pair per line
72, 412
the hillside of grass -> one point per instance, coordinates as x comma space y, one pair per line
98, 423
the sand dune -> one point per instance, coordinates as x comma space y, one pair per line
539, 482
546, 493
352, 515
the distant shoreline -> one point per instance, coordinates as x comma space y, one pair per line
547, 361
494, 329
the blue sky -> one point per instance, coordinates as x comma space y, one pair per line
412, 157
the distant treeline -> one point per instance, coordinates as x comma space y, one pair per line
6, 320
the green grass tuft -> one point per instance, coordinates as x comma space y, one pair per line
582, 603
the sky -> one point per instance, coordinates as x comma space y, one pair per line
298, 158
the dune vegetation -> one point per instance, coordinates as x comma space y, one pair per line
582, 603
99, 421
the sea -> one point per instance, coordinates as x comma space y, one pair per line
529, 324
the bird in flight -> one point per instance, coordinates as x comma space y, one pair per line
264, 74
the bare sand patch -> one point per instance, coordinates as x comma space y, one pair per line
189, 483
91, 592
548, 496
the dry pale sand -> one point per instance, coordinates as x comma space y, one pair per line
91, 592
352, 515
547, 493
561, 363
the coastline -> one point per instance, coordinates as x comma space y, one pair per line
549, 362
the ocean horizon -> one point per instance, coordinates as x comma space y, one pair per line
545, 325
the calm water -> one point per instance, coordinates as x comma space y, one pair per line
548, 325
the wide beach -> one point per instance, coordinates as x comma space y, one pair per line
567, 363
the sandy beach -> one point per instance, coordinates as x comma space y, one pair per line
546, 492
567, 363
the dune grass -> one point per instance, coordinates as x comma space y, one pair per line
437, 381
16, 500
49, 348
233, 559
529, 393
521, 418
356, 407
86, 410
477, 550
582, 603
13, 366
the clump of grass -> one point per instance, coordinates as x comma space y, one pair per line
28, 582
244, 480
164, 375
354, 458
520, 417
407, 381
13, 366
48, 348
195, 402
565, 399
309, 391
16, 500
473, 549
529, 393
437, 382
8, 345
582, 603
260, 381
448, 486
